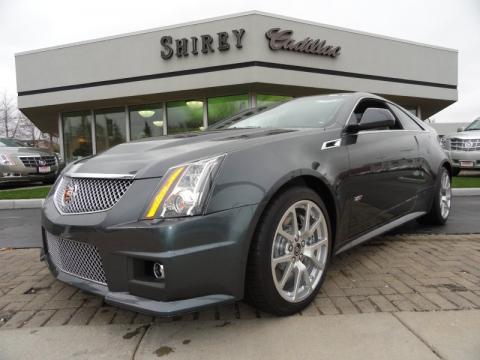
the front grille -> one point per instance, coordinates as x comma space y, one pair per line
38, 160
465, 144
86, 195
76, 258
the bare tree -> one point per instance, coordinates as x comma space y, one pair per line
14, 124
8, 110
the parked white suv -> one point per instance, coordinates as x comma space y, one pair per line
464, 147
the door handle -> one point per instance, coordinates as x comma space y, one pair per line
416, 140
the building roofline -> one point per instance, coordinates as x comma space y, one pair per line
229, 16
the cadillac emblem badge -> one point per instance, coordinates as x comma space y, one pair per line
69, 193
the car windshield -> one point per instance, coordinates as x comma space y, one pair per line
310, 112
473, 126
10, 143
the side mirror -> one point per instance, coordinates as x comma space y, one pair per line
460, 129
373, 118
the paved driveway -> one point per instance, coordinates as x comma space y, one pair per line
390, 274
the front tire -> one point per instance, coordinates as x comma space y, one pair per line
289, 253
455, 171
442, 202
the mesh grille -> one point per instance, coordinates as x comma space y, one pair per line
465, 144
84, 195
35, 161
76, 258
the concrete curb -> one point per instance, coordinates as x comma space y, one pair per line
21, 204
37, 203
466, 192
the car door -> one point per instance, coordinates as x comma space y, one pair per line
424, 177
381, 185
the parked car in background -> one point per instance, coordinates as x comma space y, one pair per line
464, 147
20, 163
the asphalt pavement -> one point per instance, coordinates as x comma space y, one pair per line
464, 219
21, 228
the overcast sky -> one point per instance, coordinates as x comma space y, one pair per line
32, 24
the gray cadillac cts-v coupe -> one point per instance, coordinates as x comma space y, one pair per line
254, 207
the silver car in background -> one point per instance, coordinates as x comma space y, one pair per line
19, 163
464, 148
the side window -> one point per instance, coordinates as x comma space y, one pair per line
407, 122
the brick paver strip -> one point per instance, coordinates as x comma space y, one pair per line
470, 296
458, 300
82, 316
15, 306
326, 306
61, 317
142, 319
402, 303
389, 274
40, 318
421, 303
123, 317
103, 316
363, 303
18, 320
310, 310
440, 301
344, 305
382, 303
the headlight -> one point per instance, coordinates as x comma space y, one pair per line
59, 158
445, 142
184, 189
5, 160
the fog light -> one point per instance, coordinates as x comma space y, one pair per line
158, 271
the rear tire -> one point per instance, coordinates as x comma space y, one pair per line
455, 171
286, 268
441, 206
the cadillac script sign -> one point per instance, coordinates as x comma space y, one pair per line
282, 40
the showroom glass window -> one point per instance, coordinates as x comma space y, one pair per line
109, 128
266, 100
222, 107
77, 135
146, 121
184, 116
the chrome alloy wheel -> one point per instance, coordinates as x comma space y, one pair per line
445, 195
299, 251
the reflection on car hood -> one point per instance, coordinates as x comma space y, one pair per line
472, 134
25, 151
152, 157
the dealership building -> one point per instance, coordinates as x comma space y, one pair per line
98, 93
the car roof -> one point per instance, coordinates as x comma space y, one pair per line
351, 95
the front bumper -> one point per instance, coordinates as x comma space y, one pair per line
204, 258
20, 173
458, 156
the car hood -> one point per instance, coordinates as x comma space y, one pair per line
472, 134
25, 151
153, 157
